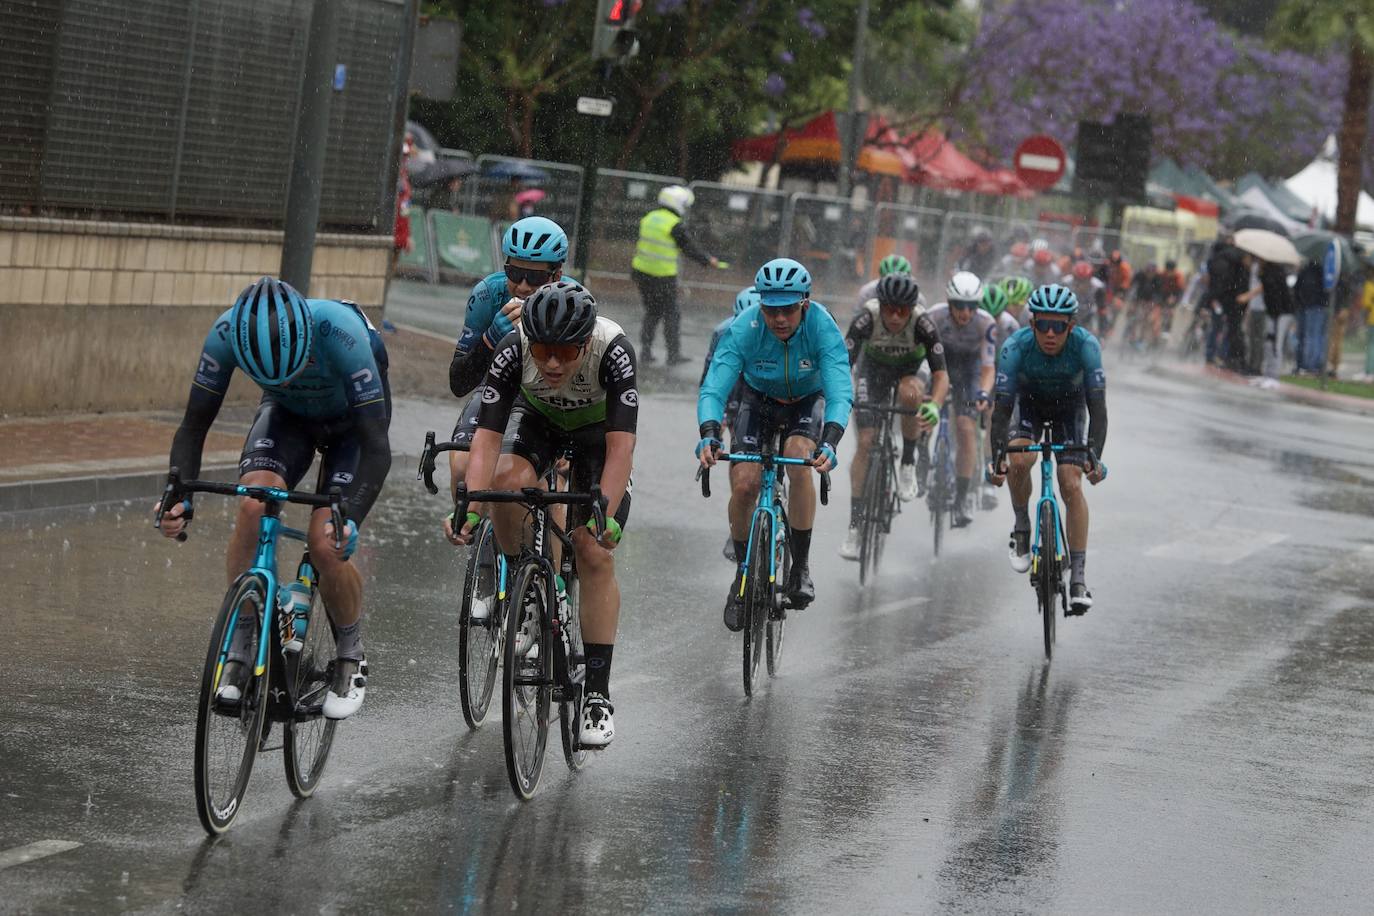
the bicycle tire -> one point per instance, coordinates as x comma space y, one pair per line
1047, 574
777, 620
868, 522
525, 707
479, 643
570, 708
755, 602
307, 742
217, 810
940, 491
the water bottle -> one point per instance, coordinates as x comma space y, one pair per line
295, 614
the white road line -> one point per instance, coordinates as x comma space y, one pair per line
42, 849
1217, 545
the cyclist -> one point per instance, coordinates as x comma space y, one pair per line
1043, 267
1171, 286
1051, 371
969, 335
744, 299
795, 368
980, 256
892, 264
1087, 287
535, 249
995, 303
322, 368
564, 381
1018, 290
888, 342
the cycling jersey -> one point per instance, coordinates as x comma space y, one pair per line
1051, 386
814, 359
482, 324
968, 347
905, 348
342, 389
1007, 325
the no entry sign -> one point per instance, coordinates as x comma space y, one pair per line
1039, 161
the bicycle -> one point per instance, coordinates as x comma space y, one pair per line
880, 502
941, 493
767, 559
550, 666
282, 686
480, 639
1050, 545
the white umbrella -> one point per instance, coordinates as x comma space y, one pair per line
1267, 246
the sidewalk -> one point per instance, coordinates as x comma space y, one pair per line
1328, 400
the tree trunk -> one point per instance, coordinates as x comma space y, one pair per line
1350, 140
527, 127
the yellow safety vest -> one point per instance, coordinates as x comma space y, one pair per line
656, 253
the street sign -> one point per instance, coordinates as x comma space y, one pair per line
1040, 162
600, 108
1331, 266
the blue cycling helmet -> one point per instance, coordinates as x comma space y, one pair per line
747, 298
270, 331
782, 281
1053, 299
536, 238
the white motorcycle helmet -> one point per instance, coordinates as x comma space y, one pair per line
964, 287
677, 198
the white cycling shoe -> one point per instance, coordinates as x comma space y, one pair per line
350, 684
480, 611
1020, 561
906, 482
527, 640
598, 724
850, 548
231, 680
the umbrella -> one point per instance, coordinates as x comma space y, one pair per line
515, 168
1255, 219
428, 174
530, 196
1313, 244
1267, 246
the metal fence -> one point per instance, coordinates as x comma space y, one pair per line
491, 191
739, 225
829, 235
622, 199
910, 231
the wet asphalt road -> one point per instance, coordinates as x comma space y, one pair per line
1201, 741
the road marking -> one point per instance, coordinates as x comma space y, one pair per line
898, 605
42, 849
1217, 545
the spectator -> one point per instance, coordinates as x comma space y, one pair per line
1367, 303
1256, 322
1278, 312
1344, 294
662, 237
1310, 299
1228, 275
527, 199
401, 242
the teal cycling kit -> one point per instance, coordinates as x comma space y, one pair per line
814, 360
483, 328
340, 401
1054, 389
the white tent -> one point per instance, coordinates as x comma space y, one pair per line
1316, 184
1256, 199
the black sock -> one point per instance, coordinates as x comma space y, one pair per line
856, 508
599, 667
741, 548
1077, 560
801, 547
961, 488
908, 451
1022, 514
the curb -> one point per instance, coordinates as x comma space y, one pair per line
1294, 393
27, 496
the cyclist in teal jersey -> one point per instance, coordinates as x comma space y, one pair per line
1051, 372
795, 367
744, 299
322, 368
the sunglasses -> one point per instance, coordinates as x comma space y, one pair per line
790, 309
564, 352
1050, 325
895, 308
960, 305
531, 276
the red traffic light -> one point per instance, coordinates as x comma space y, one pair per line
623, 11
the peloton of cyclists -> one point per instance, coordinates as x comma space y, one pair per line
892, 264
795, 367
744, 299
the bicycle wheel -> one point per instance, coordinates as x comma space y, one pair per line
227, 739
941, 492
1047, 574
756, 598
868, 522
479, 641
570, 707
777, 618
308, 734
528, 687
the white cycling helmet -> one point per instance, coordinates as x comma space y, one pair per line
964, 287
677, 198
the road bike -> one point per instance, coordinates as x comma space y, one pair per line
548, 665
1049, 548
282, 685
480, 635
940, 494
767, 559
880, 502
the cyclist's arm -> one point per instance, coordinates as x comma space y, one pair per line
1095, 392
480, 335
688, 244
716, 335
208, 387
371, 413
987, 356
928, 337
1004, 396
836, 381
860, 330
499, 391
618, 375
720, 379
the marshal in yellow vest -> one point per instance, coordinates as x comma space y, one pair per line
656, 253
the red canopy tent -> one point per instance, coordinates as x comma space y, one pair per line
818, 140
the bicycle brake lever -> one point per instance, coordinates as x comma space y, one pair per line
427, 464
336, 516
825, 488
704, 475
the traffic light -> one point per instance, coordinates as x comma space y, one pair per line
615, 38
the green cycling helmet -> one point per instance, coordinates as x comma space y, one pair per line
994, 300
893, 264
1018, 290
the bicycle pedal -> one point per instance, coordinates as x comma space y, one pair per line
275, 747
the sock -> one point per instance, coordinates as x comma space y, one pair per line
348, 640
1077, 559
855, 510
801, 547
908, 450
599, 667
741, 548
1022, 514
961, 488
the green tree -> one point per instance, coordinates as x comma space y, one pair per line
1348, 27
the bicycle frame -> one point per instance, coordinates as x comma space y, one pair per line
765, 506
1045, 448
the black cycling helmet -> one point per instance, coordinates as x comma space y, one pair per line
898, 289
559, 312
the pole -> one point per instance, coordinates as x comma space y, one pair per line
853, 138
582, 237
385, 217
312, 137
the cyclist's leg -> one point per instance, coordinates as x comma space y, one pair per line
802, 431
1072, 428
866, 422
749, 430
277, 452
528, 449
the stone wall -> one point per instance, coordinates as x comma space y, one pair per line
111, 316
